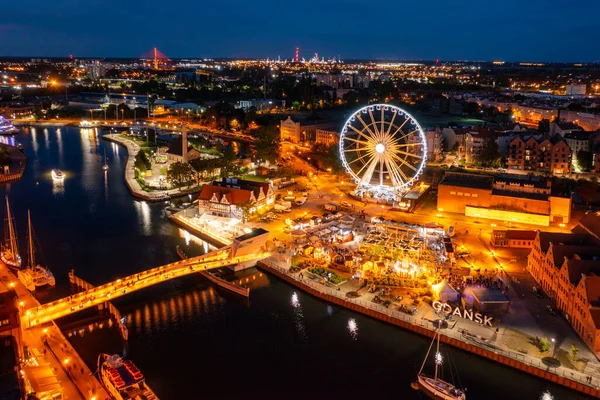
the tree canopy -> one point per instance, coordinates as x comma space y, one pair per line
180, 174
267, 143
489, 156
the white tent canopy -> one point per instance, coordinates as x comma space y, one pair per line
445, 293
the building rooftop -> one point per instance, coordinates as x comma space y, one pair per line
592, 290
590, 223
520, 195
566, 239
515, 234
233, 195
522, 180
576, 268
255, 233
488, 295
473, 181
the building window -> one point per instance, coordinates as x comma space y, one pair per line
474, 195
453, 193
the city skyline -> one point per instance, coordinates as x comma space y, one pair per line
535, 31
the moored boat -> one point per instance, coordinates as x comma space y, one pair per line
6, 127
34, 275
105, 166
10, 250
122, 379
435, 387
57, 175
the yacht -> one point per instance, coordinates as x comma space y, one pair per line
6, 127
57, 175
122, 379
434, 387
10, 250
34, 275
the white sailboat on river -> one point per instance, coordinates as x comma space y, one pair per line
434, 387
34, 275
10, 250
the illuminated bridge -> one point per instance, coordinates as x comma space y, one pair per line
246, 249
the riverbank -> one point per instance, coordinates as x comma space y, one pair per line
522, 362
132, 184
17, 165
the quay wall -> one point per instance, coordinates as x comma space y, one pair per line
497, 355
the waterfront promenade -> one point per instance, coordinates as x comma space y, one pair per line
132, 184
494, 350
17, 165
75, 378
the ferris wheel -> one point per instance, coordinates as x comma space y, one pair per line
384, 149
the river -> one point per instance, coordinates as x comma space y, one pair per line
192, 340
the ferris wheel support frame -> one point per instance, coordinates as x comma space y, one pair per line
400, 182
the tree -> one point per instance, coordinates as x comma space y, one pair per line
544, 346
246, 208
574, 352
267, 143
584, 160
489, 155
141, 161
180, 174
544, 126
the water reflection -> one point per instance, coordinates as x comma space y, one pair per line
189, 238
34, 141
353, 328
299, 317
143, 210
546, 396
58, 187
60, 145
46, 141
163, 313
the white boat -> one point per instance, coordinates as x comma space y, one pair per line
57, 175
434, 387
6, 127
34, 275
122, 379
105, 166
10, 251
88, 124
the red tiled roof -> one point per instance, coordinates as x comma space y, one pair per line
233, 196
595, 313
592, 289
521, 235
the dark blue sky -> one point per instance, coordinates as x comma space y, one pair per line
532, 30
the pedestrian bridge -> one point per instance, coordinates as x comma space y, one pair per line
245, 249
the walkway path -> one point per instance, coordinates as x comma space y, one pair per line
34, 316
422, 322
60, 355
133, 185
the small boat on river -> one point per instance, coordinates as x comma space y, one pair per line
57, 175
10, 250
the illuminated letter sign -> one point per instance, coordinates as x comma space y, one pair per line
462, 313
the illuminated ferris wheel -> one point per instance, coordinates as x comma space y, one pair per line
384, 149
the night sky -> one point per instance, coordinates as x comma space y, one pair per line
510, 30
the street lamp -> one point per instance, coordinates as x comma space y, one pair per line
553, 347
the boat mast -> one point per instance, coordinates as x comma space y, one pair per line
438, 356
12, 240
427, 355
31, 249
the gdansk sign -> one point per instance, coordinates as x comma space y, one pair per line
463, 313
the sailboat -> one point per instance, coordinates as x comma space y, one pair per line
34, 275
434, 387
10, 251
105, 166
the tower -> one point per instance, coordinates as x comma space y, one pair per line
184, 143
297, 57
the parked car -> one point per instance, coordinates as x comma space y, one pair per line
345, 204
408, 309
463, 254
